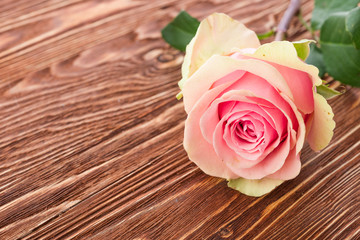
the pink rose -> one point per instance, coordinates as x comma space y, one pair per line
250, 106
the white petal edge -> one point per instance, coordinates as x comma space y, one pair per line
322, 126
284, 53
217, 34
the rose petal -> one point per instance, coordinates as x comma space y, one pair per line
225, 152
290, 169
272, 163
219, 66
247, 100
270, 135
198, 149
219, 144
278, 117
299, 83
284, 53
212, 116
237, 164
262, 89
225, 107
322, 126
301, 87
288, 108
301, 130
216, 35
294, 120
244, 141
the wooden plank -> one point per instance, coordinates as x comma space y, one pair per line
91, 136
198, 204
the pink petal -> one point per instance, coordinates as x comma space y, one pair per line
300, 129
246, 101
278, 117
290, 169
301, 87
225, 152
300, 83
245, 142
225, 107
199, 150
237, 74
272, 163
219, 66
262, 89
212, 116
219, 144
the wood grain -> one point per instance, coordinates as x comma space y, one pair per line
91, 133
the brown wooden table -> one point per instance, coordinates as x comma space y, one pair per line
91, 133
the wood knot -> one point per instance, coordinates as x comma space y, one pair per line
166, 57
169, 59
225, 232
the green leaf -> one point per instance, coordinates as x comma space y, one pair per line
324, 8
327, 92
302, 48
353, 26
254, 188
341, 58
179, 32
316, 58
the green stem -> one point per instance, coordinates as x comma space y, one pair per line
306, 25
266, 35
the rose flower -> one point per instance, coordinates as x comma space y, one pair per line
250, 107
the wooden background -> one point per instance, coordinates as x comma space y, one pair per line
91, 133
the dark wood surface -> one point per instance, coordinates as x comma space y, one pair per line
91, 133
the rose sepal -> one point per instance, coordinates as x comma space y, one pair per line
254, 187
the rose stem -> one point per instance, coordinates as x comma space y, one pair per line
304, 23
283, 26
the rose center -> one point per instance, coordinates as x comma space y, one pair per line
247, 133
245, 130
